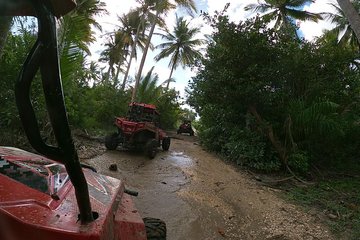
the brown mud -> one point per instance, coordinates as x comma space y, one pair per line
201, 197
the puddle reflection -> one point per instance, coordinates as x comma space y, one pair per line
180, 159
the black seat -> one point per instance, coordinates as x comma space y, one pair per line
24, 8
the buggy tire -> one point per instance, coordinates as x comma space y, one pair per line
165, 144
155, 229
151, 148
111, 141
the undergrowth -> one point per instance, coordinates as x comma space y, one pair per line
338, 199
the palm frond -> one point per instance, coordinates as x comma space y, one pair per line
303, 15
189, 5
71, 58
318, 118
261, 8
166, 52
149, 90
298, 3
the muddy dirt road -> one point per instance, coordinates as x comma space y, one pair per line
202, 198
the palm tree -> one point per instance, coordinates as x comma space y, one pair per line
76, 26
115, 54
343, 28
91, 73
134, 28
181, 46
352, 15
283, 12
149, 91
75, 33
121, 44
159, 7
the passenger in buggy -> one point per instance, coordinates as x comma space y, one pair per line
186, 127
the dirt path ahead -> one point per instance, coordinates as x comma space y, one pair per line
201, 197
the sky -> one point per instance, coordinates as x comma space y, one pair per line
236, 13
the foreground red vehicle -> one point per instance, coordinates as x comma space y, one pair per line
53, 196
38, 202
139, 130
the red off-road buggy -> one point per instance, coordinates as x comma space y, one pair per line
186, 127
139, 130
52, 196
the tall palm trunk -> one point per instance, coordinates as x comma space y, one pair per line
172, 69
107, 78
352, 15
132, 54
5, 25
116, 80
143, 58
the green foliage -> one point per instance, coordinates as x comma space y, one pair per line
88, 107
236, 142
96, 107
250, 149
121, 44
11, 63
283, 12
149, 91
258, 89
299, 161
187, 114
342, 30
91, 102
5, 25
180, 46
169, 108
317, 119
339, 198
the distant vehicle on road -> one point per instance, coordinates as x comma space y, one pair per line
186, 127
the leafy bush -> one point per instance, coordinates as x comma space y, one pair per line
250, 149
299, 162
302, 97
169, 109
96, 107
339, 197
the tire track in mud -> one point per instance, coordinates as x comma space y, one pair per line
202, 198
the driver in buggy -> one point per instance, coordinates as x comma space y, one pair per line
186, 127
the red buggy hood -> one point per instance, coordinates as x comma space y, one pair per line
37, 200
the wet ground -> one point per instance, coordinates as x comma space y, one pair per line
201, 197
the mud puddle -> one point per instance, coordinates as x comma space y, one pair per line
202, 198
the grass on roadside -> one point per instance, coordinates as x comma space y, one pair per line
338, 199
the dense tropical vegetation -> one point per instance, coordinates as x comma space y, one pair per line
266, 98
94, 94
279, 101
270, 101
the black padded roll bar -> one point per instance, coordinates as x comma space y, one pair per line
44, 56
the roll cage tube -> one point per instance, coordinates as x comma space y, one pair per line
44, 55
